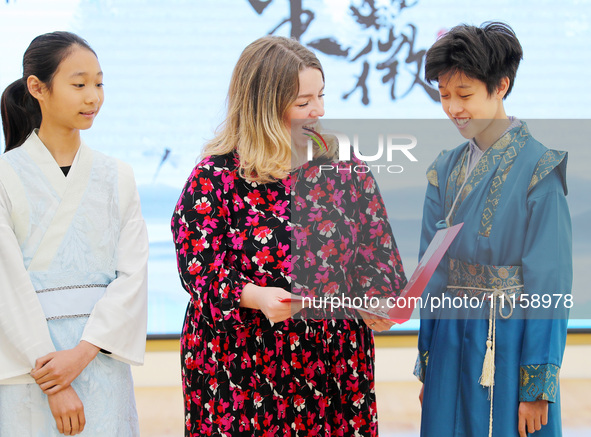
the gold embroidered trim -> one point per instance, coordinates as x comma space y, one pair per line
432, 172
549, 160
502, 154
474, 280
507, 158
539, 382
432, 177
421, 365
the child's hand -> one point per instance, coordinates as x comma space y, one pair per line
68, 411
533, 415
421, 394
56, 370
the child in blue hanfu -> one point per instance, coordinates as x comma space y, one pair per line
73, 255
493, 369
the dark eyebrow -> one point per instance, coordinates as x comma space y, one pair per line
82, 73
459, 86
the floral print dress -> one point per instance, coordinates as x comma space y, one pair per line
313, 374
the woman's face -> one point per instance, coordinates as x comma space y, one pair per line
307, 108
76, 94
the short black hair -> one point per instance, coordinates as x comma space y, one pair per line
486, 53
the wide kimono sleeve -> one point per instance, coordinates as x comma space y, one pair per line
547, 274
379, 271
24, 335
432, 214
200, 224
118, 321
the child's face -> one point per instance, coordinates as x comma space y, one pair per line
77, 94
468, 104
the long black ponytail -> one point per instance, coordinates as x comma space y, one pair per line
20, 110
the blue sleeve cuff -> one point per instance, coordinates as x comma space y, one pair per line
538, 382
421, 365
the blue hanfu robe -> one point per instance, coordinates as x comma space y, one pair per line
516, 235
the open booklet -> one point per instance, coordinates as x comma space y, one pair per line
397, 309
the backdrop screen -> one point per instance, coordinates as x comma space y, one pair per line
167, 67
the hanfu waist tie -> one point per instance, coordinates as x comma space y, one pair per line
70, 301
492, 283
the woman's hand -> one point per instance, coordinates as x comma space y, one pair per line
532, 415
376, 323
68, 411
56, 370
268, 300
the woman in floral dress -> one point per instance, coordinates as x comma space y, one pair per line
252, 364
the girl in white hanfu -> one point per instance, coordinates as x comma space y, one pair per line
73, 256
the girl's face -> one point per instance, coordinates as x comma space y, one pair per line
469, 106
76, 95
307, 108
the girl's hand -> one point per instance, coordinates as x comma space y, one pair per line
56, 370
68, 411
268, 300
532, 415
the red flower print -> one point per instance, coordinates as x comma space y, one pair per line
194, 267
369, 185
203, 206
271, 432
263, 256
244, 423
283, 250
326, 228
331, 288
258, 399
262, 234
254, 198
358, 399
299, 402
312, 174
316, 194
199, 245
206, 185
328, 250
293, 340
358, 422
298, 424
374, 206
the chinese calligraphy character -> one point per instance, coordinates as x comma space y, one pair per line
299, 18
383, 50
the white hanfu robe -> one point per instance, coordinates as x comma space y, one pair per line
73, 259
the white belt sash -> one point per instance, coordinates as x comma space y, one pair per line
70, 301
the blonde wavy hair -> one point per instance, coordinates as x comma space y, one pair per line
264, 84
